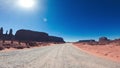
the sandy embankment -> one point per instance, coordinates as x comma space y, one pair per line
111, 52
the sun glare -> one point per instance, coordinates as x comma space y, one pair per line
26, 3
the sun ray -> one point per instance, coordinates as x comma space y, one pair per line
26, 3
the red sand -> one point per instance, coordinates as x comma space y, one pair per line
111, 52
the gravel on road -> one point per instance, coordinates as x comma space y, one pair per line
57, 56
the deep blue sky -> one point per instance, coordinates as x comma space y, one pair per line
71, 19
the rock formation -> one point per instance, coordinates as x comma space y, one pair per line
56, 39
10, 35
104, 40
86, 41
28, 35
26, 39
90, 42
1, 32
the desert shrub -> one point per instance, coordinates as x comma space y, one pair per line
2, 47
93, 43
27, 46
19, 47
45, 44
7, 45
33, 44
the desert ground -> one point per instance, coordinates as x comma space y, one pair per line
55, 56
109, 51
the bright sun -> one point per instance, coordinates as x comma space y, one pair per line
26, 3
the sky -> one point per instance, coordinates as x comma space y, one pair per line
71, 19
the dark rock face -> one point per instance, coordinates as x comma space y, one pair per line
1, 33
10, 36
86, 41
28, 35
90, 42
56, 39
104, 40
6, 36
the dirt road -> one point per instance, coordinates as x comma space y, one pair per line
57, 56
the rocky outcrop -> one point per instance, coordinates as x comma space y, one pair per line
116, 42
86, 41
90, 42
6, 36
104, 40
10, 35
56, 39
28, 35
1, 32
26, 39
